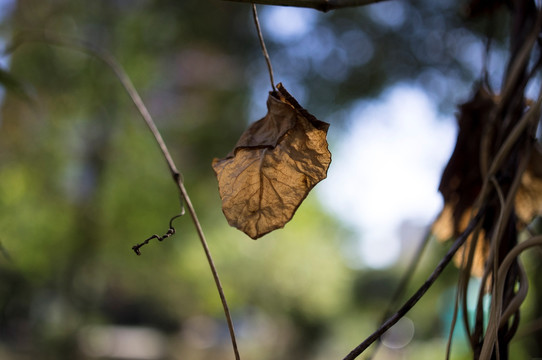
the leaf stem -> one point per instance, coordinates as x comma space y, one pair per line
109, 60
262, 44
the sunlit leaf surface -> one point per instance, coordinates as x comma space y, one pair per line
274, 165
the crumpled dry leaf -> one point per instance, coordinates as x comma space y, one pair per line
528, 201
461, 182
273, 166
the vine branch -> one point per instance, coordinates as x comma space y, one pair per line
409, 304
109, 60
170, 232
495, 319
262, 44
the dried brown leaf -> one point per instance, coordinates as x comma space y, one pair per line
443, 227
528, 201
479, 258
461, 181
274, 165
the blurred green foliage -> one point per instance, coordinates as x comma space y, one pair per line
81, 181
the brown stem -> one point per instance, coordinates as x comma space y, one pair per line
55, 39
262, 44
495, 319
409, 304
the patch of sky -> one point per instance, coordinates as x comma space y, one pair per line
467, 49
388, 13
335, 66
286, 24
386, 169
432, 47
6, 7
498, 56
358, 46
533, 89
319, 44
445, 87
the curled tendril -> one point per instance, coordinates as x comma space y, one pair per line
169, 233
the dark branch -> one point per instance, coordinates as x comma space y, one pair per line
409, 304
109, 60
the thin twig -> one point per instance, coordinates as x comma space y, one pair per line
520, 61
499, 277
170, 232
462, 288
262, 44
518, 298
454, 322
530, 116
109, 60
477, 239
513, 74
495, 246
409, 304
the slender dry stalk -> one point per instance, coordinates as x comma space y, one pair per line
462, 290
413, 300
262, 44
124, 79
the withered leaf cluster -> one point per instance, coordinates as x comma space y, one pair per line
273, 166
462, 179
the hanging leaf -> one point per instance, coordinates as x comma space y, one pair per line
273, 166
462, 181
528, 201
